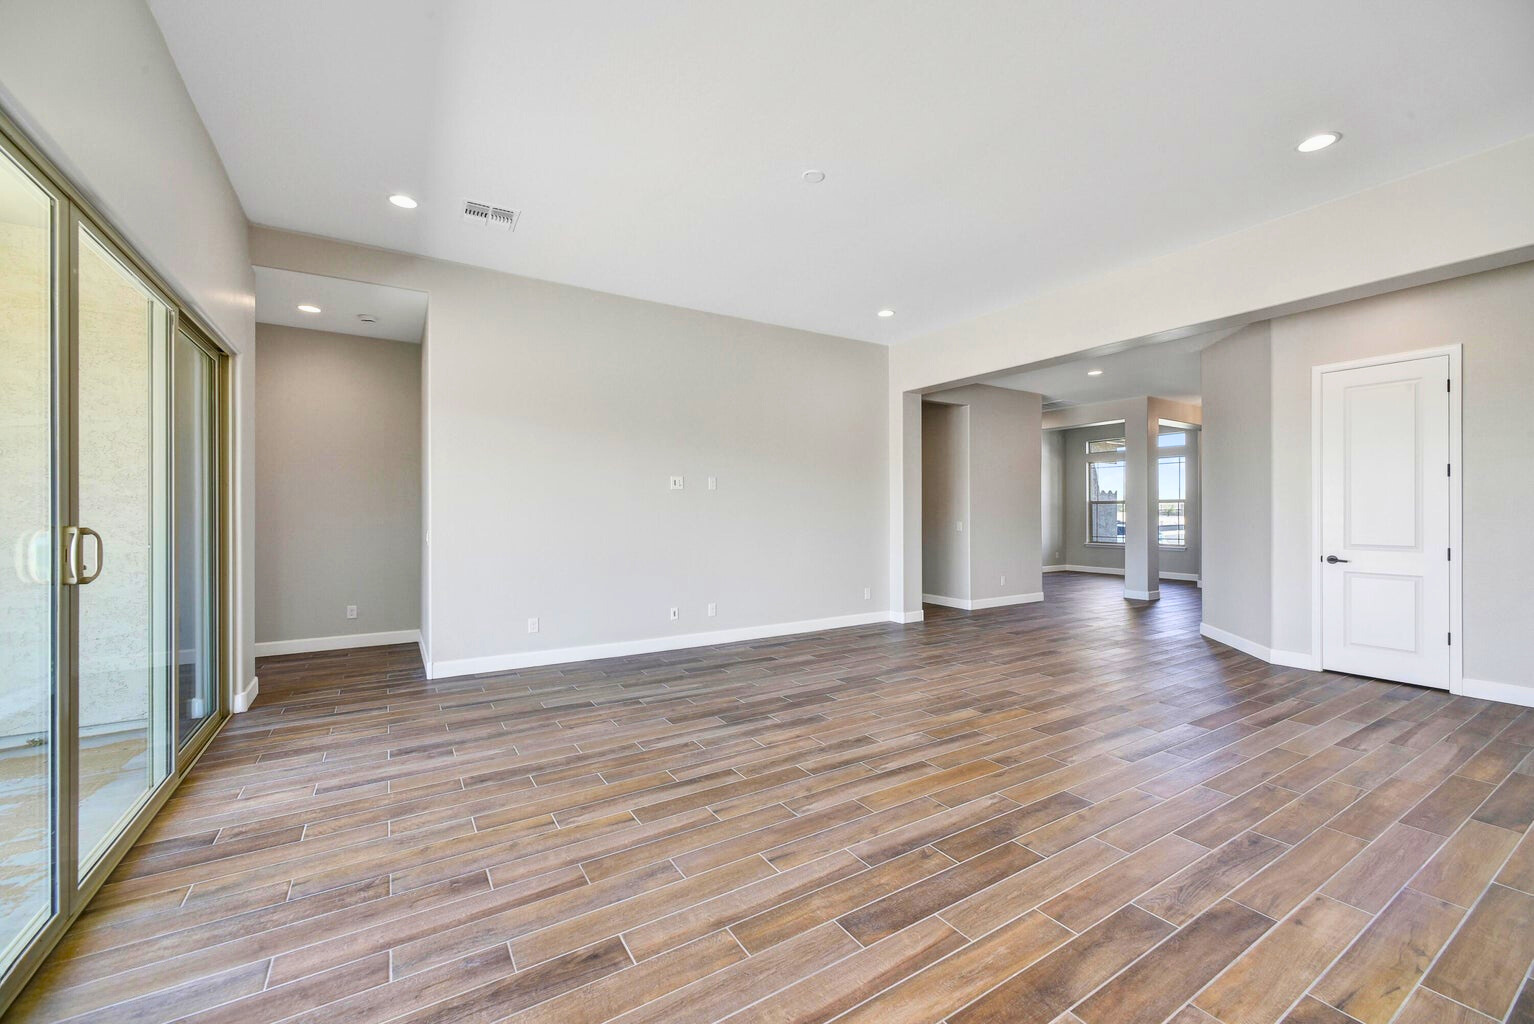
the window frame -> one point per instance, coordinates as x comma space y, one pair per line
1166, 455
1120, 457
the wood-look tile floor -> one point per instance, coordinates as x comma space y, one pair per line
1079, 811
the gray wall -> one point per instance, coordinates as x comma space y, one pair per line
1237, 485
338, 474
1492, 316
1052, 496
1074, 548
555, 417
945, 500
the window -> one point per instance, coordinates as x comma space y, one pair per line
1105, 502
1172, 496
1105, 491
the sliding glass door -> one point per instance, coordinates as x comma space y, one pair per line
121, 546
29, 219
111, 606
195, 416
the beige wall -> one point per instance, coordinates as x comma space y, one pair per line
945, 500
1052, 498
1003, 476
1492, 315
1257, 470
555, 417
1237, 484
338, 484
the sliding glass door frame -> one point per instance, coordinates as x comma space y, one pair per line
72, 212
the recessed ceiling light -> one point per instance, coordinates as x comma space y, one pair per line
307, 308
1320, 141
886, 313
1094, 373
814, 177
403, 201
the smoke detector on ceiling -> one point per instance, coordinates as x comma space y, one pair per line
494, 216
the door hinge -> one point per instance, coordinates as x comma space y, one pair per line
1448, 385
1450, 555
1448, 470
1451, 639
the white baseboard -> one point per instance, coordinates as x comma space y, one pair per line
1484, 689
1005, 600
650, 645
1295, 659
907, 617
968, 605
1191, 577
1506, 693
1142, 595
244, 696
1240, 643
268, 648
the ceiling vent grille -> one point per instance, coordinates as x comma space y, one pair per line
495, 216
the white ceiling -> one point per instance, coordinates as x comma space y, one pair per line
400, 312
1168, 369
976, 153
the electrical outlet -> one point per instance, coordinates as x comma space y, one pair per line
960, 526
868, 593
675, 614
713, 609
677, 483
1003, 579
351, 611
713, 483
532, 625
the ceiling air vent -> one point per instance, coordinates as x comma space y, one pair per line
495, 216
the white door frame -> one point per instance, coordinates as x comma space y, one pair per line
1456, 499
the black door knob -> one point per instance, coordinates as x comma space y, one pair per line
1333, 559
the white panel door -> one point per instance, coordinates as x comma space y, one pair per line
1385, 521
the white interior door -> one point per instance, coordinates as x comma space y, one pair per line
1385, 520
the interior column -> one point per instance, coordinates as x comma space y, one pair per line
1142, 562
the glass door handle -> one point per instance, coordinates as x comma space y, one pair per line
73, 565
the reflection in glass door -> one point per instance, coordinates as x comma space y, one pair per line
122, 557
28, 214
195, 446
